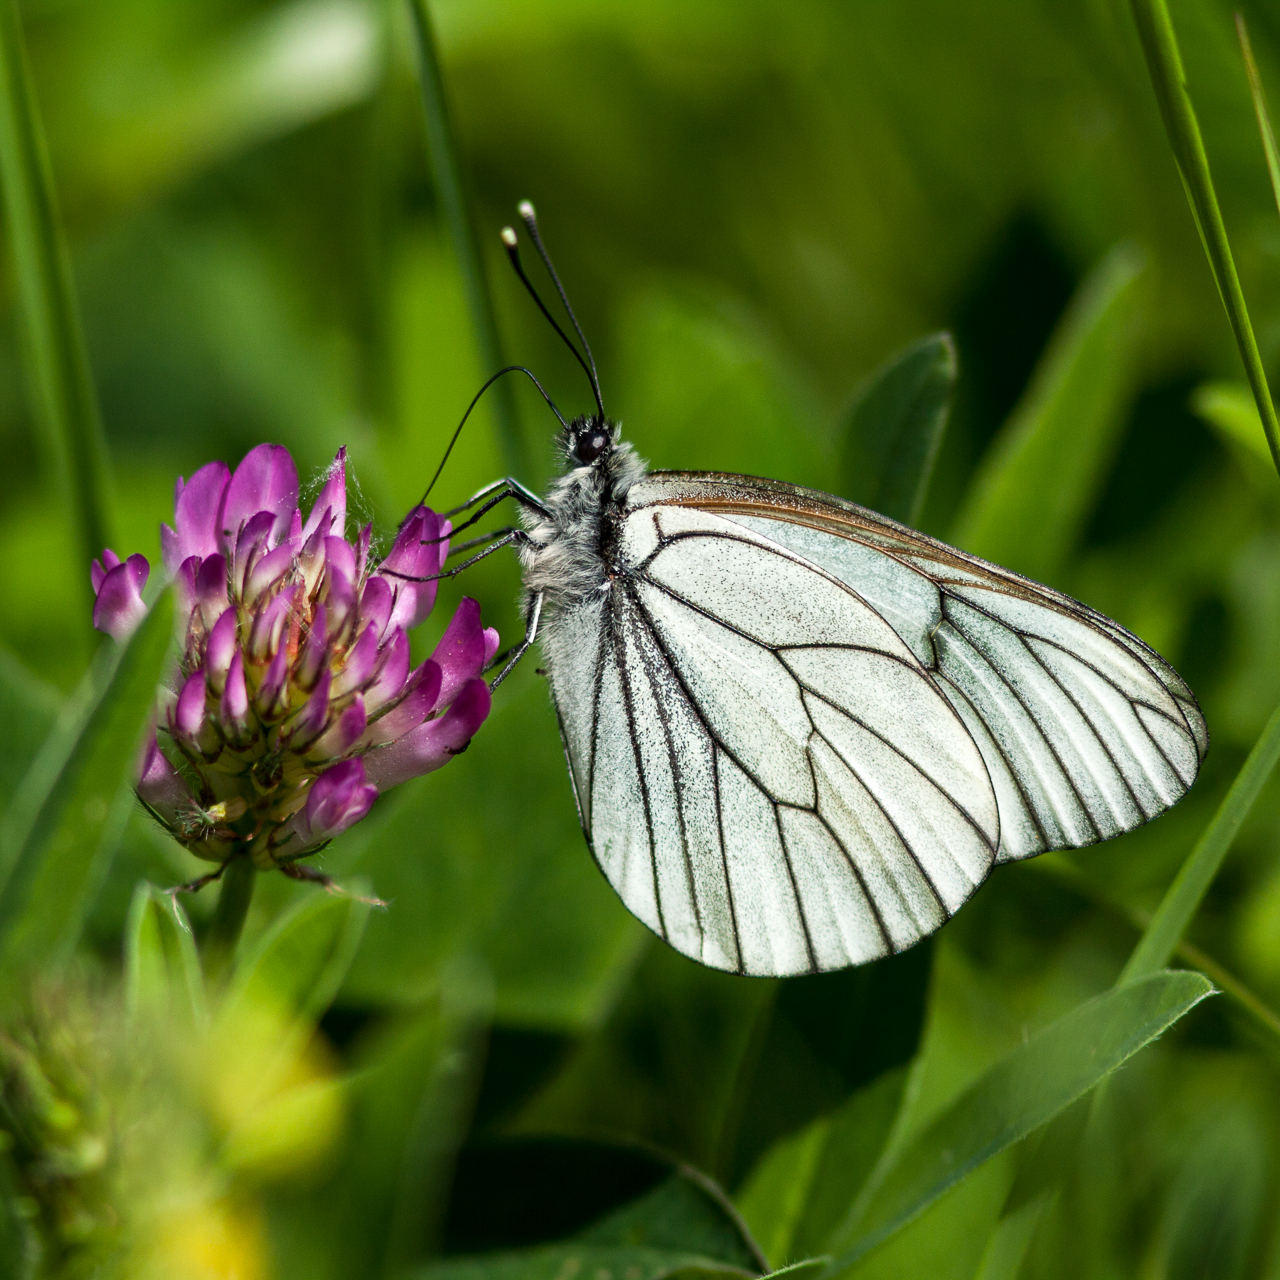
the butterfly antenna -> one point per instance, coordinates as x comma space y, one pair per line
511, 368
529, 218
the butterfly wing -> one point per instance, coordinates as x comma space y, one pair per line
800, 734
1085, 730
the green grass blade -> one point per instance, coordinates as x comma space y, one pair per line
1260, 108
59, 833
1160, 45
59, 365
1197, 872
894, 429
1036, 1082
161, 965
1033, 490
450, 191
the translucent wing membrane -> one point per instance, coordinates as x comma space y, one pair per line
800, 734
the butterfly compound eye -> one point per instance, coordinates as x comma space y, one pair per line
591, 444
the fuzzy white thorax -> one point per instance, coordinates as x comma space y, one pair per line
565, 560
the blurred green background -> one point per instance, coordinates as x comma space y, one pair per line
753, 205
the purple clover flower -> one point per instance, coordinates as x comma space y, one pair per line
294, 704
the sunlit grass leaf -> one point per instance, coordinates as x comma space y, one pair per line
802, 1188
555, 1262
61, 829
1196, 874
27, 710
59, 366
302, 959
894, 429
162, 970
1030, 1086
1034, 488
1168, 79
1230, 409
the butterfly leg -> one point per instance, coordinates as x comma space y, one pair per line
499, 491
530, 634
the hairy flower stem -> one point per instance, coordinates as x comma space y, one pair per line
228, 920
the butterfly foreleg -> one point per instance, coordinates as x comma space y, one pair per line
499, 491
530, 635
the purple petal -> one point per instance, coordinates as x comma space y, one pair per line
393, 671
340, 599
434, 743
342, 734
211, 589
160, 785
310, 721
416, 553
99, 570
315, 651
490, 645
462, 649
266, 480
234, 707
341, 555
188, 715
250, 547
376, 602
119, 608
332, 501
196, 505
338, 799
269, 623
412, 709
221, 649
272, 566
362, 550
360, 662
273, 683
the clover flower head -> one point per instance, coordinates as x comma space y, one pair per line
294, 703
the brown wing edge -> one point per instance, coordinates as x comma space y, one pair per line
728, 493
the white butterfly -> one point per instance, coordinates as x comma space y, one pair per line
799, 733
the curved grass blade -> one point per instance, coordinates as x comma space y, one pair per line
1164, 62
1197, 872
161, 965
894, 430
1033, 490
59, 364
60, 832
1033, 1084
447, 176
553, 1262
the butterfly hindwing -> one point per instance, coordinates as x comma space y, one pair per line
773, 780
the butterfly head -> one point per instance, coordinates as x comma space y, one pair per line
589, 439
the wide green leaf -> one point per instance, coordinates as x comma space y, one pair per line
1033, 492
61, 829
302, 959
894, 429
802, 1188
162, 970
1026, 1089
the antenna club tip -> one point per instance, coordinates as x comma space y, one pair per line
508, 237
526, 211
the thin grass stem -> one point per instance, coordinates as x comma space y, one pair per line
235, 894
58, 364
451, 192
1260, 108
1164, 61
